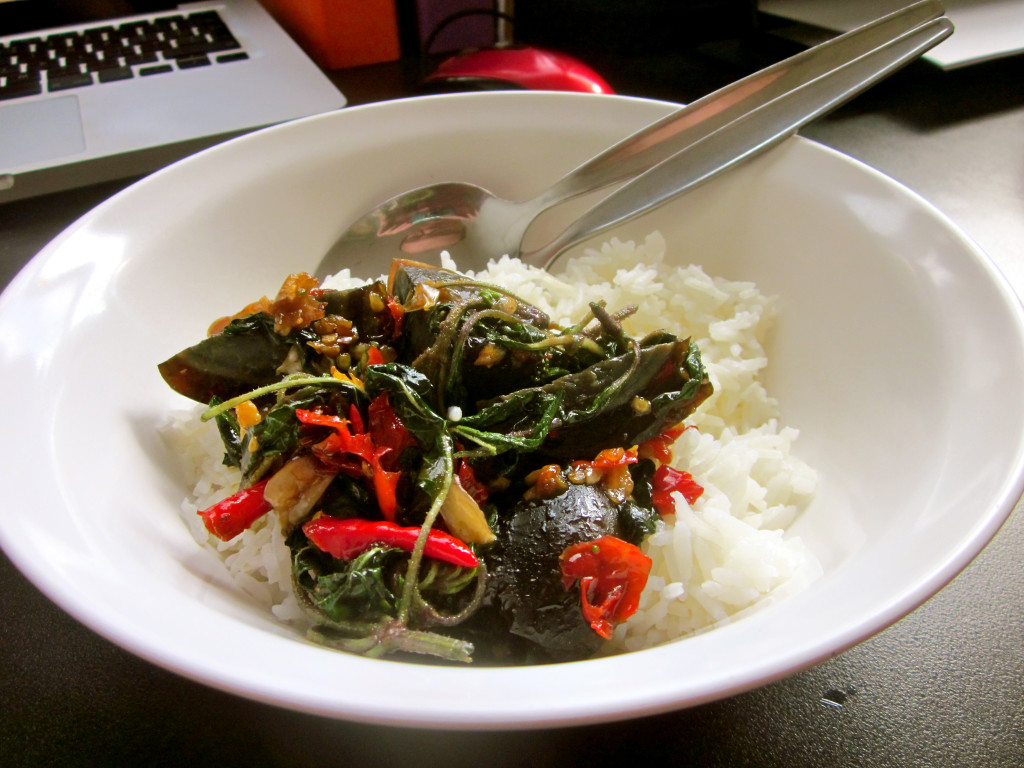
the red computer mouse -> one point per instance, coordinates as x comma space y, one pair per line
516, 66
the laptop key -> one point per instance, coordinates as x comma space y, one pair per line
14, 69
94, 61
99, 35
64, 42
114, 73
16, 86
185, 47
61, 82
29, 51
227, 58
140, 57
191, 62
156, 69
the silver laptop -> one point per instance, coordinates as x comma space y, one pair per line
117, 96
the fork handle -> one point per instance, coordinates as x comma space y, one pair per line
664, 138
745, 137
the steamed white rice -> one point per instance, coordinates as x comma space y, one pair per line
725, 555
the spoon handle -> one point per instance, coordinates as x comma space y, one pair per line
664, 138
746, 136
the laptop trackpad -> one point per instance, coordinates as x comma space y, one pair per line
33, 131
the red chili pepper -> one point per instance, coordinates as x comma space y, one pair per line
659, 447
230, 517
666, 480
349, 537
613, 457
467, 479
374, 356
361, 444
397, 314
612, 573
343, 440
356, 418
388, 431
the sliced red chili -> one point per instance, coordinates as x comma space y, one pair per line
612, 574
361, 444
388, 431
613, 457
347, 538
397, 314
356, 418
385, 485
659, 447
343, 440
667, 479
238, 512
467, 479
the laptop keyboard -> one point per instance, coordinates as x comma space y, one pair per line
112, 52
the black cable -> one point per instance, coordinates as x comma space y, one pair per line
456, 16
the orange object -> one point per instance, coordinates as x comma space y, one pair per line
340, 33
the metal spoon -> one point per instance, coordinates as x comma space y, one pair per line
665, 159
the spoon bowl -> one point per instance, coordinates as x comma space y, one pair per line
429, 218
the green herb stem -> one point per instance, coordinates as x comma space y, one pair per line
287, 383
394, 636
411, 586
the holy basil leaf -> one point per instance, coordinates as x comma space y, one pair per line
520, 421
347, 497
277, 433
693, 363
230, 435
433, 476
347, 592
637, 516
518, 408
657, 337
665, 406
598, 406
636, 522
642, 473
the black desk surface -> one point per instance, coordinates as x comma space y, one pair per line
944, 686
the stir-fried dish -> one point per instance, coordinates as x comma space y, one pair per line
455, 475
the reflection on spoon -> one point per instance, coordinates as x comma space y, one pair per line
433, 235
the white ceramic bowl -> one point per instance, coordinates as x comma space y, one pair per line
899, 355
